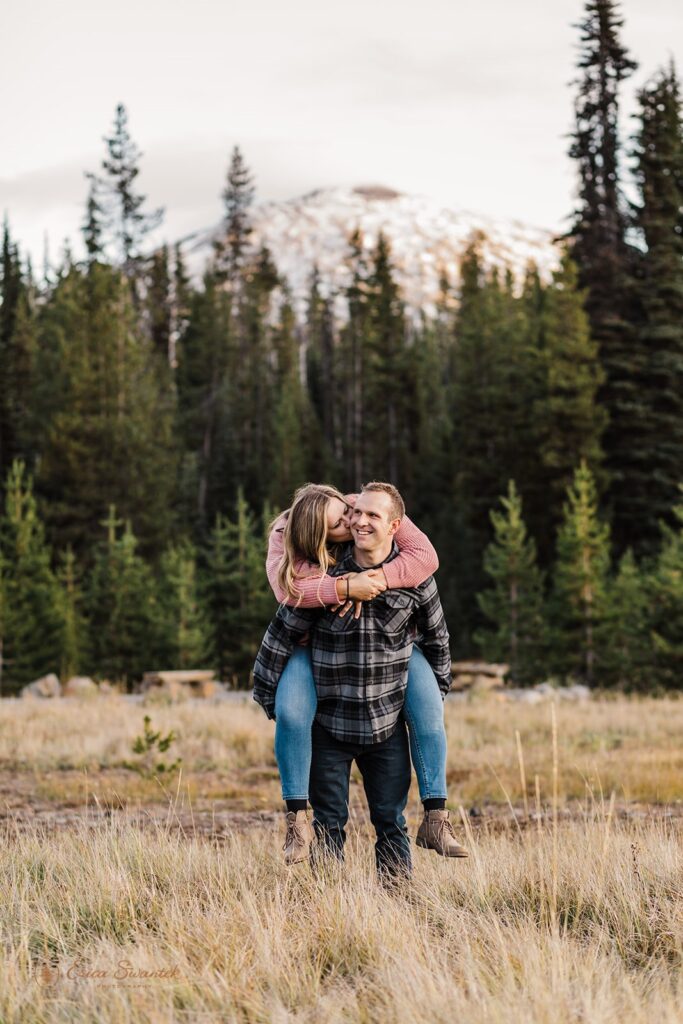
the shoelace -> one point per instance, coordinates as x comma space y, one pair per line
444, 826
294, 835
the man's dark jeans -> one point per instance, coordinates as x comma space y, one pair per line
385, 768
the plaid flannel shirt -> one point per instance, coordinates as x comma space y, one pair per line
360, 666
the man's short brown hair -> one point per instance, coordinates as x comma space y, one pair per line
398, 508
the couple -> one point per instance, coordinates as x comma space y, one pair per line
342, 685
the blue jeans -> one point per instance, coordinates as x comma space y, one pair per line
295, 705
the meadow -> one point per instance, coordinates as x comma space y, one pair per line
133, 895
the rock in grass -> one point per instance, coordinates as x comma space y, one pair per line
46, 686
80, 686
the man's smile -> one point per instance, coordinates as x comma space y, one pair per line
359, 532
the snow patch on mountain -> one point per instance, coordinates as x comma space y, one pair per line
427, 240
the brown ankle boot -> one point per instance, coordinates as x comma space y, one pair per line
436, 833
299, 837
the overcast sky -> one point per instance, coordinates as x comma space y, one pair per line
468, 103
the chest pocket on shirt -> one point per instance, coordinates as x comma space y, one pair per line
333, 622
398, 609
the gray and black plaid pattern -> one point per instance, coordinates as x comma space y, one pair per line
360, 666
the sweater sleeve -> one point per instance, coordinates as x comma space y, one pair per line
433, 640
417, 560
318, 589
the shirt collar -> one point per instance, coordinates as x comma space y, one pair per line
349, 562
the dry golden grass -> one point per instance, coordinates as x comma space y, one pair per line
553, 919
240, 938
631, 746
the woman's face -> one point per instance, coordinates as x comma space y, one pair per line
338, 522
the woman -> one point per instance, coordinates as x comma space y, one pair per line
301, 548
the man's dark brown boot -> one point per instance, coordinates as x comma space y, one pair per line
436, 833
299, 837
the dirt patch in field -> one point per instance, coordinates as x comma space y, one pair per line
54, 801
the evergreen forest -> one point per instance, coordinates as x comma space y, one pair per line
151, 425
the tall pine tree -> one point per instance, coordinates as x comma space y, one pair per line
238, 599
352, 364
514, 602
32, 621
599, 245
628, 658
12, 354
232, 248
293, 425
206, 356
123, 611
323, 383
184, 640
656, 466
126, 220
580, 583
385, 371
666, 596
568, 422
250, 392
74, 628
158, 301
107, 414
92, 226
491, 396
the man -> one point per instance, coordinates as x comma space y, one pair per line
360, 668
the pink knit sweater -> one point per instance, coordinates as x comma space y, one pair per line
417, 560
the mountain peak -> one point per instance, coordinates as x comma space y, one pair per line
376, 192
427, 240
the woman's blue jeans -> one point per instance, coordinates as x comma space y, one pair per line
295, 706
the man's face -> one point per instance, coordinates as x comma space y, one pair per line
371, 522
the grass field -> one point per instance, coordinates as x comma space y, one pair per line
127, 898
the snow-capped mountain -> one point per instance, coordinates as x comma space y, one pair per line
426, 240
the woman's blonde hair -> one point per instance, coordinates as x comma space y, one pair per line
305, 535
